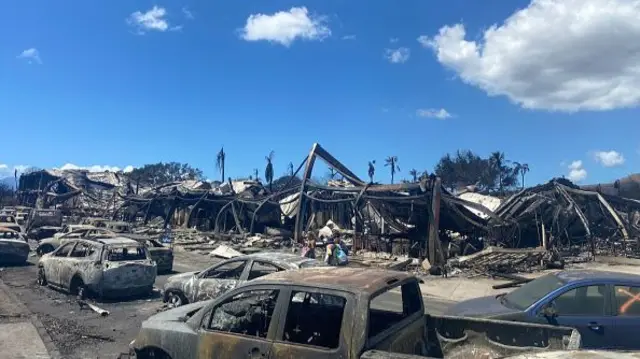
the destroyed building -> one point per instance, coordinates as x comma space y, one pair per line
421, 219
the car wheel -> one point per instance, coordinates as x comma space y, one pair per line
176, 299
78, 288
42, 279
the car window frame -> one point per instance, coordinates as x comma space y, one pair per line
71, 244
275, 317
607, 312
84, 243
346, 321
253, 261
203, 274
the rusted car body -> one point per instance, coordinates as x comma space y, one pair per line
162, 255
96, 222
193, 287
68, 228
14, 248
50, 244
107, 266
118, 227
331, 312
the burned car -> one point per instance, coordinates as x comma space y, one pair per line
334, 312
68, 228
103, 267
50, 244
193, 287
14, 248
162, 255
118, 227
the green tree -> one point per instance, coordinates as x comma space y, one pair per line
220, 161
268, 171
160, 173
392, 163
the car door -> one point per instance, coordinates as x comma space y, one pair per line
587, 309
626, 306
54, 265
242, 325
314, 324
74, 262
218, 280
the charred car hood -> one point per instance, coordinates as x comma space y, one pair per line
176, 281
480, 307
177, 314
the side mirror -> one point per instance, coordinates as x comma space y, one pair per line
549, 312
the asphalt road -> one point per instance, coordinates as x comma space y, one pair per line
81, 333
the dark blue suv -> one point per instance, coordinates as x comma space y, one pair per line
603, 306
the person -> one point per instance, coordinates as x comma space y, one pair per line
309, 250
337, 251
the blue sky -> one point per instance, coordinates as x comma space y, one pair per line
119, 83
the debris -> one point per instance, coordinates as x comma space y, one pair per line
225, 252
95, 308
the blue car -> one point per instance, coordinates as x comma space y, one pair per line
603, 306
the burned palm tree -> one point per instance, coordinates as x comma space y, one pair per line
255, 174
290, 169
220, 163
521, 169
332, 173
268, 171
372, 170
414, 173
392, 163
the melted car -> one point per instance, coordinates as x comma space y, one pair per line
196, 286
106, 266
49, 244
13, 246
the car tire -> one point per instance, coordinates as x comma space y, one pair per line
78, 288
176, 299
42, 278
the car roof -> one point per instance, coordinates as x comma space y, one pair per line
275, 257
354, 280
572, 276
115, 241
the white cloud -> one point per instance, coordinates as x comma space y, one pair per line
187, 13
95, 168
577, 173
284, 27
349, 37
441, 114
152, 20
31, 55
563, 55
397, 56
6, 170
609, 158
393, 40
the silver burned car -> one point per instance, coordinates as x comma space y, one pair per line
14, 248
104, 267
193, 287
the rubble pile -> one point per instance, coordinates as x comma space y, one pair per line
395, 225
